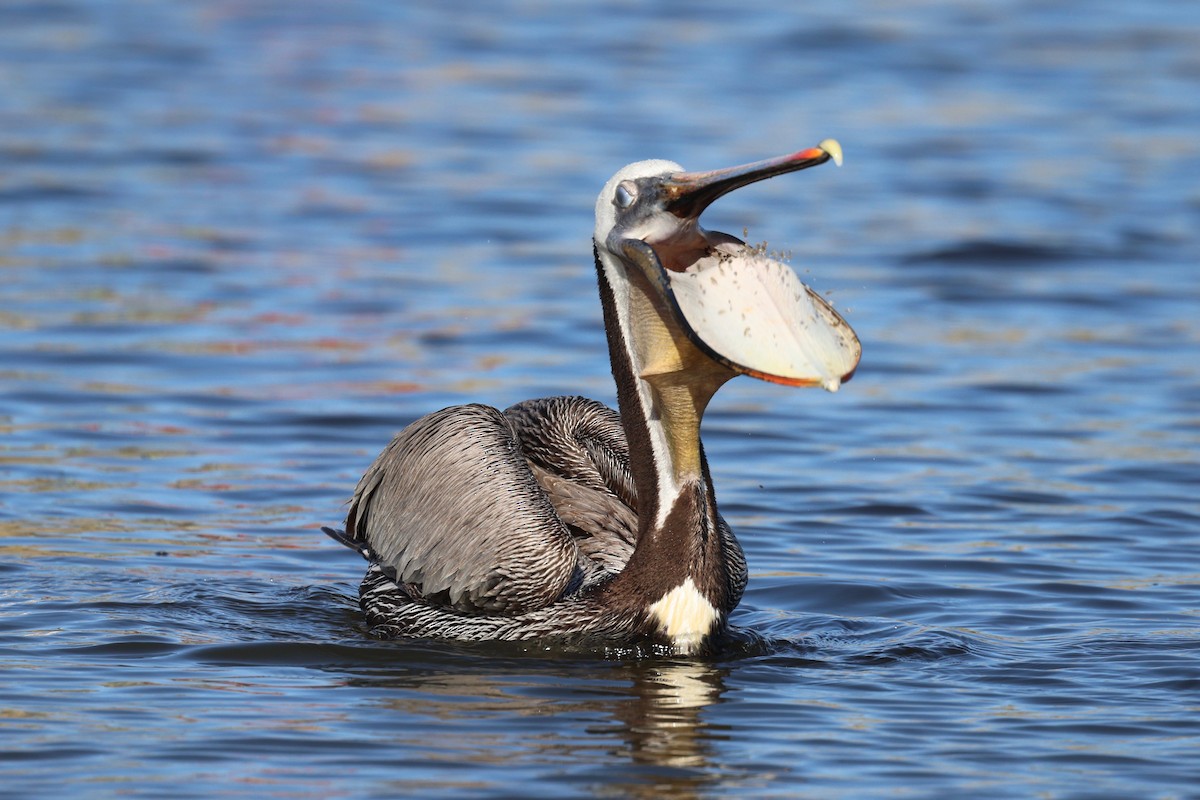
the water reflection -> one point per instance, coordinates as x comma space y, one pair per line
650, 714
664, 727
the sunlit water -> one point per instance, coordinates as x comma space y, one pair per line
242, 243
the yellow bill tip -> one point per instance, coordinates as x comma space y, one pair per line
834, 149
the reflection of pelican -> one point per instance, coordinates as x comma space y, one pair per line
651, 718
559, 517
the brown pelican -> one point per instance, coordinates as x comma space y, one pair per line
559, 518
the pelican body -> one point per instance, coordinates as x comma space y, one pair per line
561, 519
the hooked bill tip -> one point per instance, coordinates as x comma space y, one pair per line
834, 149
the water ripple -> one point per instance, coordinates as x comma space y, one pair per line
245, 242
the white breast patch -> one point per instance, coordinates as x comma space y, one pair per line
685, 616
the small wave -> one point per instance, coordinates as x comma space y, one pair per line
837, 642
987, 252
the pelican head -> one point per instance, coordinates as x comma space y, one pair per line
743, 310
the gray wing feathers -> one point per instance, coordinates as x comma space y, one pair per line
577, 450
580, 439
605, 530
451, 509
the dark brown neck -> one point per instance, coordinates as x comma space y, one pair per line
663, 386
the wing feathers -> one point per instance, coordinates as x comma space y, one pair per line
482, 511
451, 506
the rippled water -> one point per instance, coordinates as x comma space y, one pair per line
244, 242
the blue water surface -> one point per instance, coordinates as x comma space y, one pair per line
242, 242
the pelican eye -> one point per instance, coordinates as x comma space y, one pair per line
625, 194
